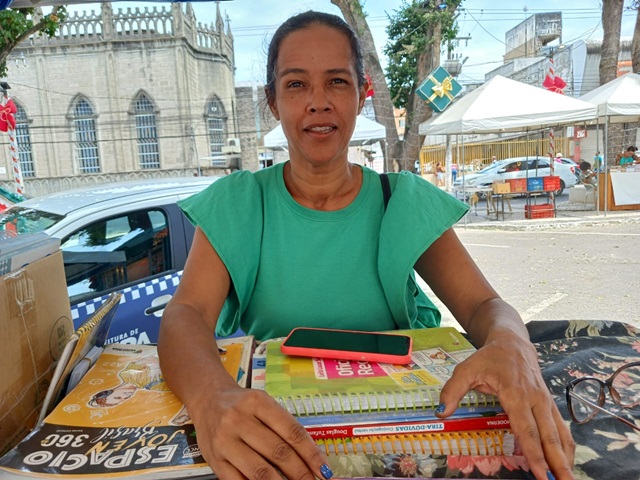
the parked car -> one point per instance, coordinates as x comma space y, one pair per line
130, 237
519, 167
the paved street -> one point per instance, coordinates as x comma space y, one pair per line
587, 269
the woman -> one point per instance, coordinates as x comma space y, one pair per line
332, 251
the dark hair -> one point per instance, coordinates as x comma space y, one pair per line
632, 149
584, 166
299, 22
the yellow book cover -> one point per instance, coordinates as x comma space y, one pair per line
121, 420
308, 386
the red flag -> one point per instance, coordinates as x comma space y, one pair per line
7, 120
552, 82
370, 91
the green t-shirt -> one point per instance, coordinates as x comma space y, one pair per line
293, 266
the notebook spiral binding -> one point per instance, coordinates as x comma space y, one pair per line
380, 401
482, 442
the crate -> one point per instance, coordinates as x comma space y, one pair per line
534, 184
544, 210
550, 184
518, 185
501, 187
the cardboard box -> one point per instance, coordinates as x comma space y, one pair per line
35, 323
501, 187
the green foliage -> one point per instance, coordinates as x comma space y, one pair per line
409, 34
17, 24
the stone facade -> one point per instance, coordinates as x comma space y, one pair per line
152, 83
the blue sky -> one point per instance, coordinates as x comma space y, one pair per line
485, 21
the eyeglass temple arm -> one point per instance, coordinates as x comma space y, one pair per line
600, 409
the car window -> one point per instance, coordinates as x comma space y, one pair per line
113, 252
27, 220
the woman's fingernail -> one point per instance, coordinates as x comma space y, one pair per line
441, 408
550, 476
326, 471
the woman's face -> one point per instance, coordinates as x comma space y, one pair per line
317, 97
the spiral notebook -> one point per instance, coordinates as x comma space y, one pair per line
317, 386
481, 442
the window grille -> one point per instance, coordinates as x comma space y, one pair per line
147, 133
84, 125
216, 126
23, 139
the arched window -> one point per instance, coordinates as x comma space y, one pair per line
146, 132
84, 126
216, 127
23, 139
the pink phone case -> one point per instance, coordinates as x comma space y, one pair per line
346, 354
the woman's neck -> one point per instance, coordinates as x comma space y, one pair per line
328, 190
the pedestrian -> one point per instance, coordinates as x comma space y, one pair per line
250, 267
598, 161
439, 175
454, 172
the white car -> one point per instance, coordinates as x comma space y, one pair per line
519, 167
129, 237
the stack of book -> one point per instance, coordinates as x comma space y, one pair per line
118, 418
352, 407
371, 420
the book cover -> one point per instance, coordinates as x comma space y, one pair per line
89, 337
459, 424
121, 420
313, 386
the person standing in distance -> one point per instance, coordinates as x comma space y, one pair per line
250, 267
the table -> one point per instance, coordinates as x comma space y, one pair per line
606, 448
629, 185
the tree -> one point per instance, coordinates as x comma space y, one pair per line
611, 24
17, 25
415, 37
608, 68
635, 43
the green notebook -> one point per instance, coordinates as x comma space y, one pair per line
315, 386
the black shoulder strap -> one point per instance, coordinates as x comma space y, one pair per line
386, 189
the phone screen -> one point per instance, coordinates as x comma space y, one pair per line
350, 341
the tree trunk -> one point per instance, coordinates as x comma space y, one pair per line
608, 68
611, 21
635, 45
382, 105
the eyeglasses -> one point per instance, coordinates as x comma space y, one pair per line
586, 395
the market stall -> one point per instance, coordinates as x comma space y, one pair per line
618, 101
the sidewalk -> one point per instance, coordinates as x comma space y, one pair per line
567, 215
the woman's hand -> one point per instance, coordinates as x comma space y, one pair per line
244, 433
507, 366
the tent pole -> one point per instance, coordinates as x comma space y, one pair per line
606, 164
464, 186
601, 166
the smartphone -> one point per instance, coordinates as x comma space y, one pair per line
348, 345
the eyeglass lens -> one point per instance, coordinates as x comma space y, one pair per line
625, 390
625, 387
591, 390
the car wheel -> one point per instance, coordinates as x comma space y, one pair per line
559, 192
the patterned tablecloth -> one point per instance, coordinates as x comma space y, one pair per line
606, 448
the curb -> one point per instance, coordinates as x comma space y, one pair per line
611, 218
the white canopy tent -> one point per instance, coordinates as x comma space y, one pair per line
617, 101
505, 105
366, 131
